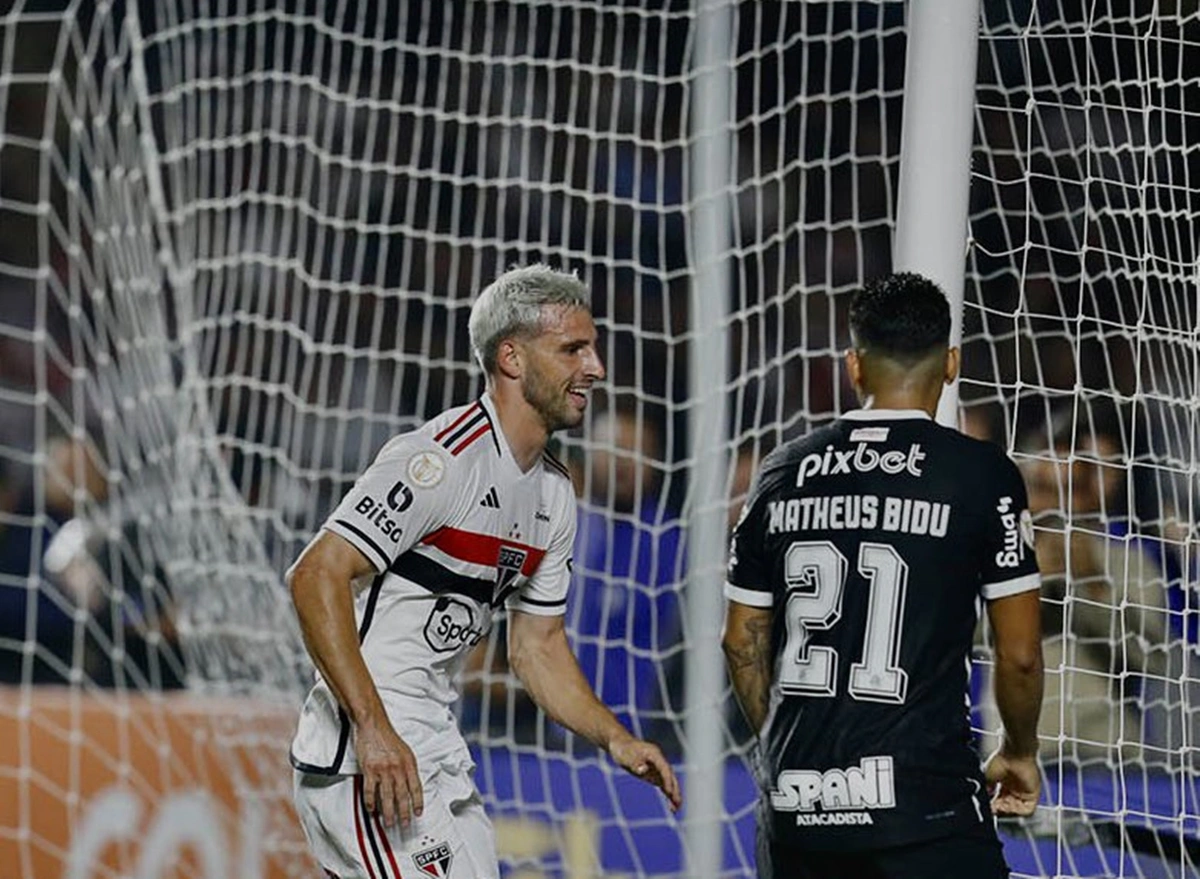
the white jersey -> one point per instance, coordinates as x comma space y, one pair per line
454, 530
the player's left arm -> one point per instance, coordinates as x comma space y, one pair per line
541, 657
1010, 582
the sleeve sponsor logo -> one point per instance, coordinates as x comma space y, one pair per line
426, 469
400, 498
1013, 526
861, 459
451, 626
1027, 529
378, 515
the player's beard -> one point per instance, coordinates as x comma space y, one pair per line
551, 403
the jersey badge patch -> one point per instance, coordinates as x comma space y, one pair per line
426, 469
869, 435
434, 861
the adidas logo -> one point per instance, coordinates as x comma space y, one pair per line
491, 499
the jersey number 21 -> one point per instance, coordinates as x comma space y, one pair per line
815, 572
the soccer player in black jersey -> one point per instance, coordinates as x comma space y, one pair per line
855, 576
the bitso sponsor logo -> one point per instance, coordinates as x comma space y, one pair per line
842, 796
378, 515
861, 459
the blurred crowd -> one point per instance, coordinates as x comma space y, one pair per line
329, 271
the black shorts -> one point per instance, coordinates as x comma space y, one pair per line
974, 854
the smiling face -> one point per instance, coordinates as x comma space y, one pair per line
562, 365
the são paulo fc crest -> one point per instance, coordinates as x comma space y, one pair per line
508, 567
434, 861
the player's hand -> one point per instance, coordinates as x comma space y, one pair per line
646, 761
391, 785
1014, 783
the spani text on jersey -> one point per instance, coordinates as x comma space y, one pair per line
869, 785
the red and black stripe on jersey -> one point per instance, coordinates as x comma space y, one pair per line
472, 423
473, 548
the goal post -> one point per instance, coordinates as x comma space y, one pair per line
709, 305
935, 154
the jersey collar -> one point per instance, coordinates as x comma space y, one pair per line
499, 440
885, 414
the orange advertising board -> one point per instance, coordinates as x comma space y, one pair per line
166, 786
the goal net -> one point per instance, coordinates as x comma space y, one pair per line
241, 240
1080, 356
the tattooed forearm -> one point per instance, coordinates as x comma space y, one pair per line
747, 645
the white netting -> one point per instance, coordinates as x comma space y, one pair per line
239, 242
1081, 357
248, 236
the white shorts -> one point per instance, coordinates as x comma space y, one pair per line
453, 838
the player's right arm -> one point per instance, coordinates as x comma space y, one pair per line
1011, 585
746, 639
747, 645
321, 583
400, 498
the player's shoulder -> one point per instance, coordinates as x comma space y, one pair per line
464, 433
445, 446
557, 486
778, 467
557, 470
790, 453
980, 456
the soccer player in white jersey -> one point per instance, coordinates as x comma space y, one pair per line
451, 522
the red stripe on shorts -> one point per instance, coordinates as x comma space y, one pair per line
387, 847
362, 845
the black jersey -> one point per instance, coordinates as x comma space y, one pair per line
873, 540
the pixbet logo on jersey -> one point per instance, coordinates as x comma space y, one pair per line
862, 459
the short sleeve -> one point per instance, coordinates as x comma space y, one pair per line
545, 593
747, 579
400, 498
1009, 564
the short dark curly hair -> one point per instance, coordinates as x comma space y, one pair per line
902, 316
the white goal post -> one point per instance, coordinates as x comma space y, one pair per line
238, 242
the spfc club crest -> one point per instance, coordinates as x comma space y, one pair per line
434, 861
508, 568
